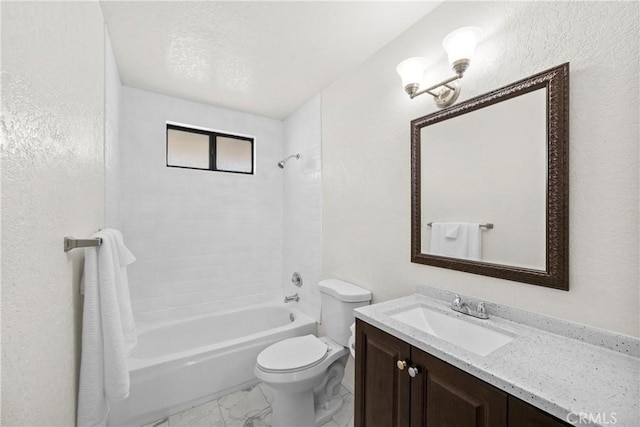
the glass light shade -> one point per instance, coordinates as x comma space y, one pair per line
461, 43
411, 70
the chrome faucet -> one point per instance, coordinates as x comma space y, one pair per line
461, 306
290, 298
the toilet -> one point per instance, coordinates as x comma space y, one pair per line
305, 372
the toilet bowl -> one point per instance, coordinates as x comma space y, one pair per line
305, 372
296, 369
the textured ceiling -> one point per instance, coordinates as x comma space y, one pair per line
265, 58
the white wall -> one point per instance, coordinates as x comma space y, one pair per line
366, 154
52, 186
204, 240
302, 210
113, 87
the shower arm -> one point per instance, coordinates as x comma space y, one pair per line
282, 162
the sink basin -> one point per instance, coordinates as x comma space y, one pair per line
461, 333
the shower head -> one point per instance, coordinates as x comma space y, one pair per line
285, 160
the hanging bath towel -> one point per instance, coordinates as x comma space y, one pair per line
456, 240
108, 329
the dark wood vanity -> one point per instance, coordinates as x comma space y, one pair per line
399, 385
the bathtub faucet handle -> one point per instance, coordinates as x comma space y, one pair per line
290, 298
296, 279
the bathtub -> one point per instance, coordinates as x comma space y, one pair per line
184, 363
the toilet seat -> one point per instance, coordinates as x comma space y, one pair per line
293, 354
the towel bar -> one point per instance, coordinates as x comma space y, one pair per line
488, 226
72, 243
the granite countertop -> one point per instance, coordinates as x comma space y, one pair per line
561, 367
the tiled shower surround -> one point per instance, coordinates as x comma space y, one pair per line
302, 231
204, 240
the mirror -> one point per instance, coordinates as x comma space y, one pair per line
490, 183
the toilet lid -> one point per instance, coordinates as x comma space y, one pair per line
293, 354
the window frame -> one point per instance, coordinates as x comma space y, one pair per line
212, 148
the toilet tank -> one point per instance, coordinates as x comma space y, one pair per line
339, 298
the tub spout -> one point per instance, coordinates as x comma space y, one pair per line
293, 297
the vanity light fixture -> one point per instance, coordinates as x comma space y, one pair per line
460, 46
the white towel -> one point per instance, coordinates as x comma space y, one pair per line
108, 329
457, 240
122, 257
474, 241
451, 230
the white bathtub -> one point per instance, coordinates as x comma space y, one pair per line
180, 364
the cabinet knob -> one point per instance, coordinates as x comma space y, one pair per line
401, 364
413, 371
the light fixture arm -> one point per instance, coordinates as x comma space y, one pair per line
429, 90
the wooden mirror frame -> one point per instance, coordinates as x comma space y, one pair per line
556, 275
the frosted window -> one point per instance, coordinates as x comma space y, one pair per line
209, 150
233, 154
187, 149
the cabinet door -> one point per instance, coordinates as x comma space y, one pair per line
445, 396
522, 414
382, 390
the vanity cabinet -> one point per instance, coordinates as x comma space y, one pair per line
442, 395
399, 385
381, 390
522, 414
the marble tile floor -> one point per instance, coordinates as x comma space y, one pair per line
245, 408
